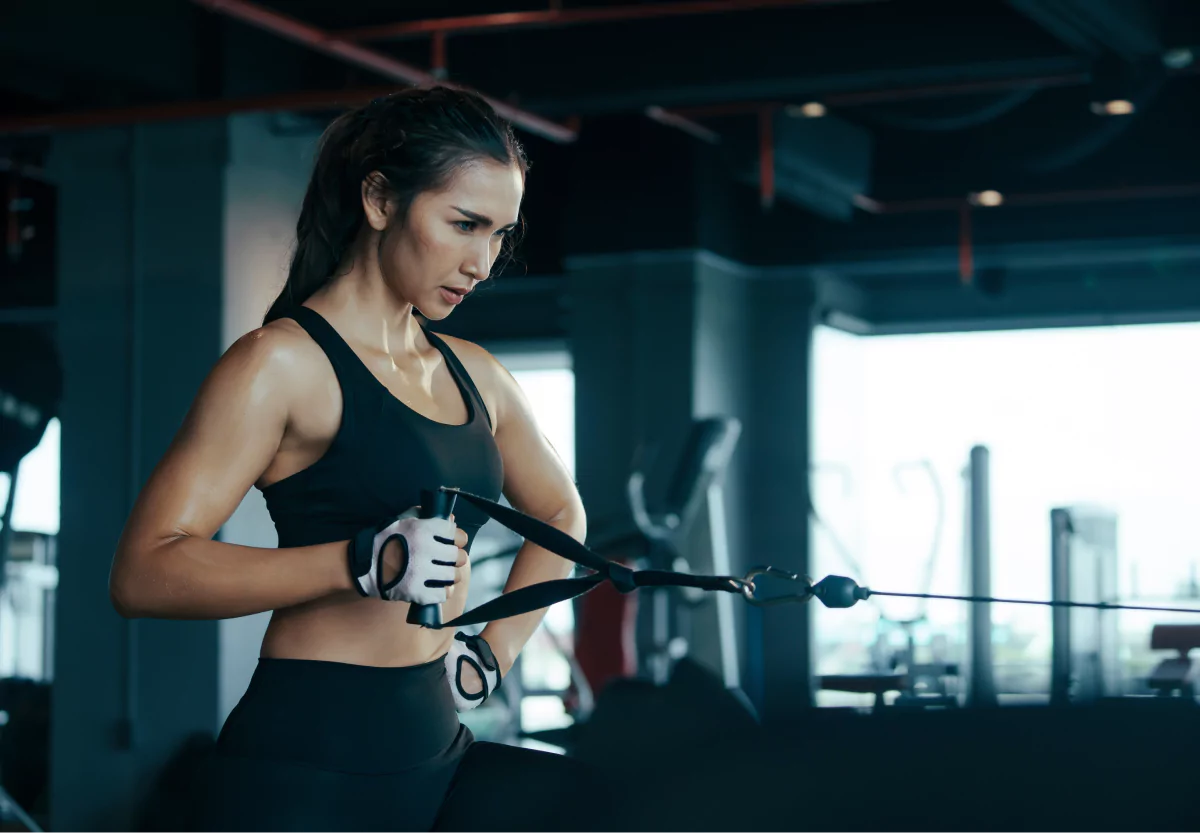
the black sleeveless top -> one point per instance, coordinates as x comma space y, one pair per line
384, 454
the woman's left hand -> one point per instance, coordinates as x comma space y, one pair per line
472, 671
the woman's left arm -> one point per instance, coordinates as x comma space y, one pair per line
537, 483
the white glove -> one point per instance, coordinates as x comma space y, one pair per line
428, 558
472, 651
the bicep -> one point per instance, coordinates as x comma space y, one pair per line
536, 481
229, 437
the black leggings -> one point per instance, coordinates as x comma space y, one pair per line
329, 746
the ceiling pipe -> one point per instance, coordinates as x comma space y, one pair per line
683, 118
557, 16
177, 111
1124, 193
337, 47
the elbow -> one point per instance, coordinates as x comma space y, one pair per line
124, 600
126, 590
573, 520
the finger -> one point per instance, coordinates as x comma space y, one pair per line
463, 558
444, 574
461, 538
434, 596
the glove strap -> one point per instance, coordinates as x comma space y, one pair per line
361, 556
482, 659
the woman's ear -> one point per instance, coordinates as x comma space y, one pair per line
376, 204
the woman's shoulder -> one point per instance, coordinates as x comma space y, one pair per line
484, 369
280, 353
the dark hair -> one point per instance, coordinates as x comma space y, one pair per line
416, 140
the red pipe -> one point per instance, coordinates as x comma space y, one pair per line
557, 16
438, 48
966, 259
766, 156
338, 47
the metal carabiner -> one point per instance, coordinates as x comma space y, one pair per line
775, 572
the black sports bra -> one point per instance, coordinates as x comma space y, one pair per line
384, 454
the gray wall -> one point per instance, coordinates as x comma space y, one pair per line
264, 187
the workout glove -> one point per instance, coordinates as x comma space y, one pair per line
427, 560
474, 651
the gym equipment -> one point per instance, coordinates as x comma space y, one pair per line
616, 637
434, 504
917, 684
697, 478
1083, 567
1176, 675
832, 591
30, 389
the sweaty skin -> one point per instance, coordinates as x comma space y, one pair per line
272, 406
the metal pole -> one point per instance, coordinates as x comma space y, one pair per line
6, 534
1060, 591
726, 631
982, 691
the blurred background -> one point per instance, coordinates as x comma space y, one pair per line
902, 290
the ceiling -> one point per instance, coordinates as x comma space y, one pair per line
943, 100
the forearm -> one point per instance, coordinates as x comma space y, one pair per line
198, 578
532, 564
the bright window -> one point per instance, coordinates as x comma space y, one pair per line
1101, 416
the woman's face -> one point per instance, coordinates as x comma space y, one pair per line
450, 238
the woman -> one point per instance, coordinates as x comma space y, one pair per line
341, 408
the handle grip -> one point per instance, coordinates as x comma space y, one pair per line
437, 504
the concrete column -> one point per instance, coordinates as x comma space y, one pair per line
778, 459
661, 338
139, 327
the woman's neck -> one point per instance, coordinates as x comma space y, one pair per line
368, 313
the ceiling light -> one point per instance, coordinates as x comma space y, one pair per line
1116, 107
811, 110
988, 199
1178, 58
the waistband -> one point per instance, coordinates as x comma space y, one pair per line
347, 718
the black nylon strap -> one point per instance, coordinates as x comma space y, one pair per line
547, 593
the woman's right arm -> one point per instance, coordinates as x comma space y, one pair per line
167, 566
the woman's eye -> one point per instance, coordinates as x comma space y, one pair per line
466, 225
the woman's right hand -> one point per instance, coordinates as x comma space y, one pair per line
412, 559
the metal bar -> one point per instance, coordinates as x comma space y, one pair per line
688, 126
1060, 621
6, 532
328, 44
723, 566
571, 17
982, 690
